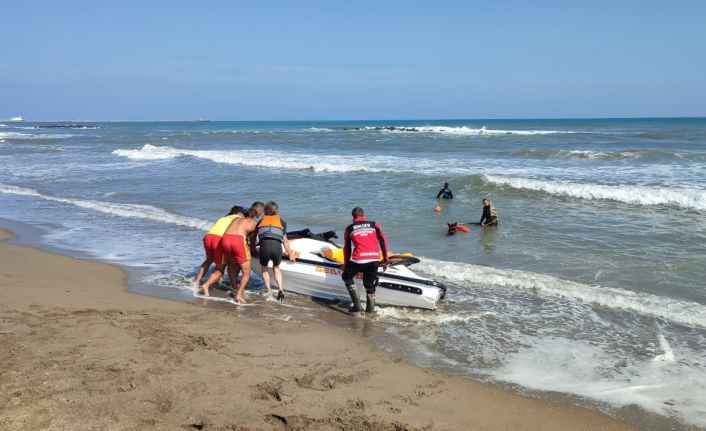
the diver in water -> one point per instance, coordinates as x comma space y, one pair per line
445, 193
490, 214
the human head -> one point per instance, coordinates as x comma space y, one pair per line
486, 201
271, 208
257, 206
237, 209
446, 185
358, 212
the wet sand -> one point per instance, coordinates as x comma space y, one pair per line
80, 352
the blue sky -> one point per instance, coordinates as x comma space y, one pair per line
231, 60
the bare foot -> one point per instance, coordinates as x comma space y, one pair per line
239, 299
205, 290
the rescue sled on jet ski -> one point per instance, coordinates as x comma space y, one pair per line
317, 273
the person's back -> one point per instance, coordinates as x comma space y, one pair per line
445, 193
236, 248
363, 244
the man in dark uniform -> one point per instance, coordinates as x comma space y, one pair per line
445, 193
363, 244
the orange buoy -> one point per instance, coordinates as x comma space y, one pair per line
437, 208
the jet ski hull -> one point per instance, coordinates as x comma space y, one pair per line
318, 277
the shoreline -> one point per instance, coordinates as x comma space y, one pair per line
82, 351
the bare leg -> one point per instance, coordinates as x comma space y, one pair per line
266, 279
202, 270
278, 278
215, 276
233, 270
243, 282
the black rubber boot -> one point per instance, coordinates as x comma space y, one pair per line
280, 296
370, 303
354, 297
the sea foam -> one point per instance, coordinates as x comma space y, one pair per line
637, 195
146, 212
682, 312
267, 159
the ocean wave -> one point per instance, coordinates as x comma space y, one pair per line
459, 131
17, 135
269, 159
674, 310
635, 195
146, 212
606, 155
67, 126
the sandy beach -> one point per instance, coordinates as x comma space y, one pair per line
80, 352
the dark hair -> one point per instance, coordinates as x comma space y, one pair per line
446, 185
252, 212
357, 212
271, 208
236, 209
257, 206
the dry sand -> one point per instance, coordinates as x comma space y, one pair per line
79, 352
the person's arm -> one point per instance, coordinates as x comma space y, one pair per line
252, 238
383, 242
483, 216
438, 195
285, 242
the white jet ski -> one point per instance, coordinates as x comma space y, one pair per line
317, 273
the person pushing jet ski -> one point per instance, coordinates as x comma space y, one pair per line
363, 243
445, 193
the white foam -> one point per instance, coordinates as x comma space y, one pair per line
636, 195
668, 353
17, 135
415, 316
146, 212
466, 131
269, 159
581, 368
682, 312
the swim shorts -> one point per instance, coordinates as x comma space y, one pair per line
270, 250
212, 246
235, 247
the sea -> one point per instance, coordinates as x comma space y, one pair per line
590, 291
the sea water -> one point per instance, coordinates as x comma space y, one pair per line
591, 289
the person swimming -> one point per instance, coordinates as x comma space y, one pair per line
445, 193
490, 214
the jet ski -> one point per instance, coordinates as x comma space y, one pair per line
317, 273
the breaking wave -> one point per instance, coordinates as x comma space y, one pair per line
146, 212
606, 155
269, 159
635, 195
683, 312
17, 135
460, 131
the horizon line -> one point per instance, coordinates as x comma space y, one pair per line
203, 120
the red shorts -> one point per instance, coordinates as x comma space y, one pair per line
235, 247
212, 245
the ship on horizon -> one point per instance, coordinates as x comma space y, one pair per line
17, 119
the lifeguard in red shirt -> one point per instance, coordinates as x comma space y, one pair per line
364, 243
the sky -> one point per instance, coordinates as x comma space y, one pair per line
329, 60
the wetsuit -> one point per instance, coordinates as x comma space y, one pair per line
445, 193
270, 232
212, 239
368, 243
490, 216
